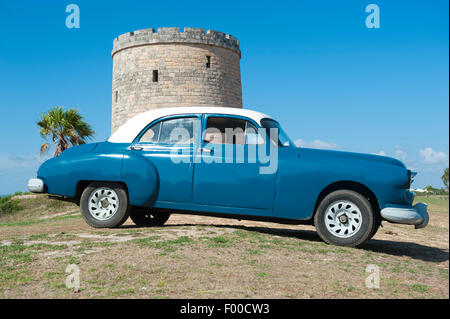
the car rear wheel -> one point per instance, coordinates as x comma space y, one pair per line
344, 218
147, 217
104, 205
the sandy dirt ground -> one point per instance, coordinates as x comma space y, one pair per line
205, 257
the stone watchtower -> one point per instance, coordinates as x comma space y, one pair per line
171, 68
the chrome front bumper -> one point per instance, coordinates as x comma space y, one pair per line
35, 185
416, 215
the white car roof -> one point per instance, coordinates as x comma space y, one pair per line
128, 131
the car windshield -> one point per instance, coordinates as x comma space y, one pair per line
283, 138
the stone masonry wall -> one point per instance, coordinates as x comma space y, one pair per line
180, 59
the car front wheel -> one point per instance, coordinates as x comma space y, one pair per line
104, 205
344, 218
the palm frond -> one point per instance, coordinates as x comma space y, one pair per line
44, 148
65, 128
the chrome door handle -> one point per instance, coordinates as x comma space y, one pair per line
137, 148
205, 150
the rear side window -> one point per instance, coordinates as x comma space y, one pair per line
179, 130
171, 131
152, 134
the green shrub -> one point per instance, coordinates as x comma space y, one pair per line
21, 193
9, 205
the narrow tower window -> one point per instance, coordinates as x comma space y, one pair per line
155, 75
208, 61
116, 98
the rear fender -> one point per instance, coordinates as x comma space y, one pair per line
62, 174
142, 179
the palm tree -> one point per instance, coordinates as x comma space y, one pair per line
445, 177
66, 128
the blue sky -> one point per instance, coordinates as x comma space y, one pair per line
313, 65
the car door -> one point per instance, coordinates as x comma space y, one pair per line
169, 144
227, 170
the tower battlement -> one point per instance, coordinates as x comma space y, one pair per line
174, 35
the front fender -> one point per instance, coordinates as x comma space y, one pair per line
142, 179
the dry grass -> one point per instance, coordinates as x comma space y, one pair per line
200, 257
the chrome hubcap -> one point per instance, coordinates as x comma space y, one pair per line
103, 203
343, 219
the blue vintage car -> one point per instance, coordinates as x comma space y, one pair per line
226, 162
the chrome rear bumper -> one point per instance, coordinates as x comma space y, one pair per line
416, 215
35, 185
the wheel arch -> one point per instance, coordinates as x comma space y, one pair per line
352, 186
82, 184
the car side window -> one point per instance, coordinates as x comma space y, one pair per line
178, 131
252, 135
171, 131
224, 130
152, 134
229, 130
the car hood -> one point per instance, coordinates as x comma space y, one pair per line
340, 155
